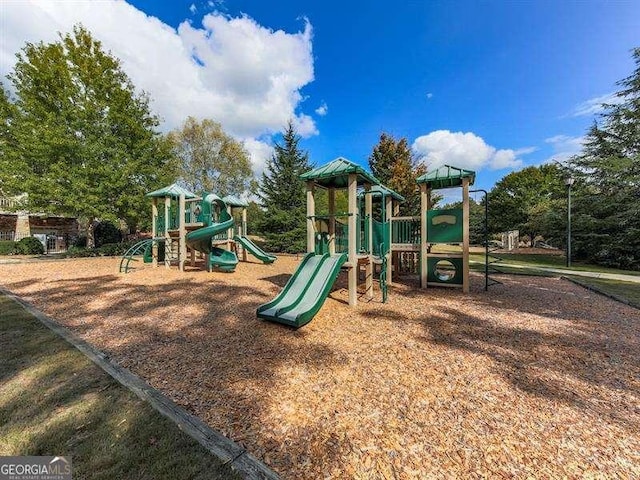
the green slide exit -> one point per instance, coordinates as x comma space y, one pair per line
305, 292
200, 240
254, 250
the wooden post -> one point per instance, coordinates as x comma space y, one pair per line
167, 238
465, 235
424, 206
353, 232
311, 211
182, 235
388, 207
230, 229
332, 221
368, 211
154, 234
243, 232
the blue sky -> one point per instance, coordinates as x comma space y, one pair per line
489, 85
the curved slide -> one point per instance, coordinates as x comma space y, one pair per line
254, 250
305, 292
200, 240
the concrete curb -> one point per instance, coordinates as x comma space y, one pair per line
601, 292
229, 452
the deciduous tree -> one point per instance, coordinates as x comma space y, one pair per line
210, 160
79, 140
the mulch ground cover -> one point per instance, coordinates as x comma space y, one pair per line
535, 378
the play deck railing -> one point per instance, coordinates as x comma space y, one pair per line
405, 230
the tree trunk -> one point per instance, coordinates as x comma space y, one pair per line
91, 242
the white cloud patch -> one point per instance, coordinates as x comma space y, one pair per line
322, 110
259, 151
594, 105
230, 69
429, 95
193, 8
564, 147
465, 150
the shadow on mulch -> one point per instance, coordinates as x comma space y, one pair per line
189, 359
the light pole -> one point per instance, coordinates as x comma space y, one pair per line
569, 181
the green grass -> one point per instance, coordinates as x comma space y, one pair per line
629, 291
550, 261
55, 401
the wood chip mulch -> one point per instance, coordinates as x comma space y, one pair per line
538, 378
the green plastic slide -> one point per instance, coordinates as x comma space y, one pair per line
305, 292
200, 240
254, 250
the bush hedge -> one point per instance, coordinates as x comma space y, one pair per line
7, 247
30, 246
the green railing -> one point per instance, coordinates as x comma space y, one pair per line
405, 230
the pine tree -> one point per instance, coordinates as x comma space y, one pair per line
607, 207
282, 193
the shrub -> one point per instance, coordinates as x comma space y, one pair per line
7, 247
106, 232
30, 246
80, 241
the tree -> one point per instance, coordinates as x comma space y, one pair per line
78, 139
393, 164
526, 200
283, 195
210, 160
607, 207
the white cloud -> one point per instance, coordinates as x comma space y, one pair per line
233, 70
429, 95
594, 105
259, 152
564, 147
193, 8
323, 109
465, 150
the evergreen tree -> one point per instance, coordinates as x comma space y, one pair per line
607, 207
78, 139
393, 164
283, 196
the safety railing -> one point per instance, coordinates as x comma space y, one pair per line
405, 230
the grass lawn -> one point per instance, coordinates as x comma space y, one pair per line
549, 261
55, 401
629, 291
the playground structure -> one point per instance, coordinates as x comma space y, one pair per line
185, 225
363, 242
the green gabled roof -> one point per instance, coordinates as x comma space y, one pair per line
234, 201
336, 174
384, 191
173, 190
446, 177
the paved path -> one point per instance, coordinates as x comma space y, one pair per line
577, 273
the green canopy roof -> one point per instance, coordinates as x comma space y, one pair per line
383, 191
173, 190
446, 177
234, 201
336, 174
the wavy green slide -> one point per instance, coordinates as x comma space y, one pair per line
254, 250
200, 240
305, 292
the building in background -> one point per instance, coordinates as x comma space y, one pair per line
54, 232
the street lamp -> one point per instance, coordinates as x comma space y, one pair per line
569, 181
